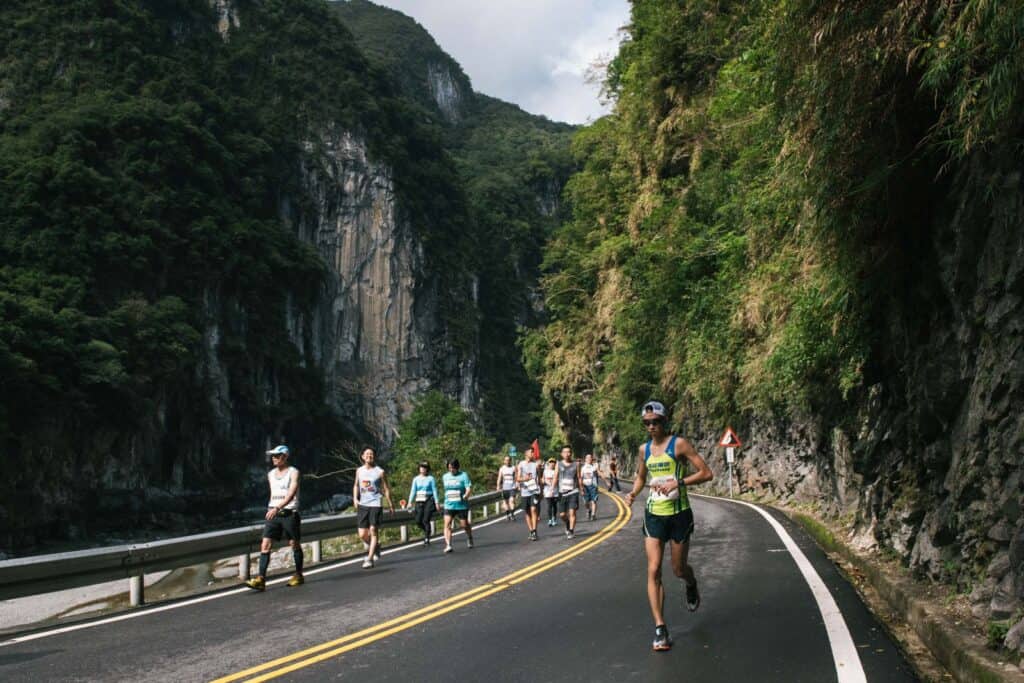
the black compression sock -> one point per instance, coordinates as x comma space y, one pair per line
264, 563
298, 557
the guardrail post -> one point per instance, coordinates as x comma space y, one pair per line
318, 552
432, 529
243, 567
469, 515
136, 590
483, 511
497, 507
405, 533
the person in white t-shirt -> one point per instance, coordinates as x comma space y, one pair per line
506, 483
370, 487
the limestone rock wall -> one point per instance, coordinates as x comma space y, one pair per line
375, 332
446, 91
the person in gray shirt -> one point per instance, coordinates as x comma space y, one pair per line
568, 491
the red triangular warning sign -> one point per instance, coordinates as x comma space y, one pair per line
729, 439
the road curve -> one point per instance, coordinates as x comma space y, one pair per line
508, 610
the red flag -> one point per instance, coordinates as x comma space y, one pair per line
535, 447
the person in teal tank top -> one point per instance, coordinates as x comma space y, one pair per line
666, 460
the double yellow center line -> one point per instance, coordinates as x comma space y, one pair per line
333, 648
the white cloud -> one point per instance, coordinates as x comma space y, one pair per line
535, 53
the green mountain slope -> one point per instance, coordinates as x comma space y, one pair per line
153, 170
513, 166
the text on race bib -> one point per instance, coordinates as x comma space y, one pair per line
421, 496
453, 495
657, 495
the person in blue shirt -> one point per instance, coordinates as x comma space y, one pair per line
423, 498
456, 486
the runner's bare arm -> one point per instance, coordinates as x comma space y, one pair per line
387, 491
641, 479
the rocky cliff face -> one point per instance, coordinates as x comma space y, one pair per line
446, 91
929, 465
374, 333
227, 16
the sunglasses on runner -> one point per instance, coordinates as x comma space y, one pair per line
648, 423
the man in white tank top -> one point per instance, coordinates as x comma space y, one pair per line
282, 517
528, 479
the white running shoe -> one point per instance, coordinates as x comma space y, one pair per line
368, 563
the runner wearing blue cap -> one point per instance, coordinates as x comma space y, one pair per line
282, 518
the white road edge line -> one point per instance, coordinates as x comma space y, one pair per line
848, 665
220, 594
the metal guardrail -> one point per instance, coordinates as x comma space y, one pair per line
26, 576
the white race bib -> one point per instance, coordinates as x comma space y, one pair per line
532, 487
566, 484
421, 496
453, 495
671, 495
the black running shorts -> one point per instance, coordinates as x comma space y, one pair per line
569, 501
528, 502
369, 516
677, 528
289, 527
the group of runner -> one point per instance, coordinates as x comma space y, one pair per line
559, 484
668, 519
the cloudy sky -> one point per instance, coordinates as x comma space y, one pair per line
535, 53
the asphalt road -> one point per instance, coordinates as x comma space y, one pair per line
508, 610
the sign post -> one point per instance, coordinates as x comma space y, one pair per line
730, 442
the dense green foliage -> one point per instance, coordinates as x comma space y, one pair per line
439, 430
514, 166
743, 216
144, 160
399, 47
157, 300
135, 189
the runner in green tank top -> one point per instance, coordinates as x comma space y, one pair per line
666, 457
